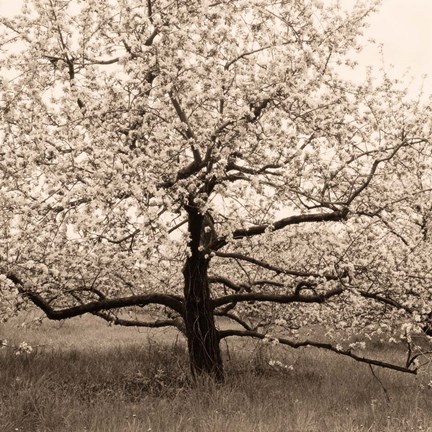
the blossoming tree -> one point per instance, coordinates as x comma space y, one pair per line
206, 159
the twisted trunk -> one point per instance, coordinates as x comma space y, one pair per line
202, 335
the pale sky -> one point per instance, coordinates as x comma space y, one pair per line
402, 26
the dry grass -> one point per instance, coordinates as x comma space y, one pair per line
89, 377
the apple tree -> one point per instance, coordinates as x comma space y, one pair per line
203, 159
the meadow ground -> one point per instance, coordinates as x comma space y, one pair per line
85, 376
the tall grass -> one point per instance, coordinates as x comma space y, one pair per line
88, 377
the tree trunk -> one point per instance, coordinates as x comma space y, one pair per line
202, 335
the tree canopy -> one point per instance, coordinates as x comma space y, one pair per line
204, 160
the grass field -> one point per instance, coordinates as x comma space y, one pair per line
85, 376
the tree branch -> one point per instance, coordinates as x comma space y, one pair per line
151, 38
235, 318
276, 269
246, 170
183, 173
172, 302
386, 300
276, 298
112, 319
245, 54
373, 169
102, 62
247, 333
189, 132
337, 215
120, 240
242, 286
228, 283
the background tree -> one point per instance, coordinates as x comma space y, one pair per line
207, 159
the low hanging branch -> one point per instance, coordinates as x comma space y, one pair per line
322, 345
171, 301
97, 306
114, 320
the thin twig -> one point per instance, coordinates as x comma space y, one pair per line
381, 384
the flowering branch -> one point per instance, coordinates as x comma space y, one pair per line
277, 298
337, 215
171, 301
114, 320
322, 345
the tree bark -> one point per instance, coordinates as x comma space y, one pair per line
202, 335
